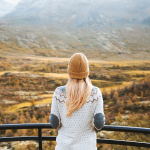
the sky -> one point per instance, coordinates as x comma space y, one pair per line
12, 1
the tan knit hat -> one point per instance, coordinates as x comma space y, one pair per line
78, 66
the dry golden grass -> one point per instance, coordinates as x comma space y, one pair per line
3, 72
138, 79
46, 59
115, 87
121, 63
91, 61
98, 81
44, 101
16, 107
47, 95
138, 72
56, 75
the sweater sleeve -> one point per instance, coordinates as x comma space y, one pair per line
99, 118
55, 116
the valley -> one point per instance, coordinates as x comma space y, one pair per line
27, 84
37, 38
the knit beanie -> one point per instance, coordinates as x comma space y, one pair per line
78, 66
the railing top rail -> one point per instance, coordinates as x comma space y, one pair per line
48, 125
126, 129
25, 126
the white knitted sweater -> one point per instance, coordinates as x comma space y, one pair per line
76, 129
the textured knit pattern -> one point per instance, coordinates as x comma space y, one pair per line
78, 67
77, 129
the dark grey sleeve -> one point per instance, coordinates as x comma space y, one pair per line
54, 121
99, 121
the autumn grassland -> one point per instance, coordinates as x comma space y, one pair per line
27, 84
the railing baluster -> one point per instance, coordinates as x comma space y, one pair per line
40, 138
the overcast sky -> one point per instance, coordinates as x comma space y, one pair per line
12, 1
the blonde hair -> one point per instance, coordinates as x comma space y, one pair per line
78, 91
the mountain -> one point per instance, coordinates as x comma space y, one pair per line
110, 28
5, 8
77, 13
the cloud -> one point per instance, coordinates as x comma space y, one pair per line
12, 1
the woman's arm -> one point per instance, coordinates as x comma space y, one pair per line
99, 118
54, 115
99, 121
56, 124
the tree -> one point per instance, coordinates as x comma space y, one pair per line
119, 115
130, 94
115, 96
1, 112
9, 133
136, 91
129, 103
43, 88
118, 104
34, 132
130, 117
134, 98
21, 120
33, 120
21, 132
20, 98
142, 94
32, 102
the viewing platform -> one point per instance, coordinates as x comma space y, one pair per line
41, 138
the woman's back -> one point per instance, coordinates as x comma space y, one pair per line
76, 129
76, 108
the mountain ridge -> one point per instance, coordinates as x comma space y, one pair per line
82, 12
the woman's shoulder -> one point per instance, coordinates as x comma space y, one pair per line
61, 89
95, 89
60, 92
96, 92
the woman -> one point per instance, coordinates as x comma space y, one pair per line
77, 108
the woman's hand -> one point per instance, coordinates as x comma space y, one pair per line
92, 125
60, 124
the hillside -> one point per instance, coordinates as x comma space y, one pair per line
123, 43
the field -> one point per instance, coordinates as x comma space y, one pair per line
27, 84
